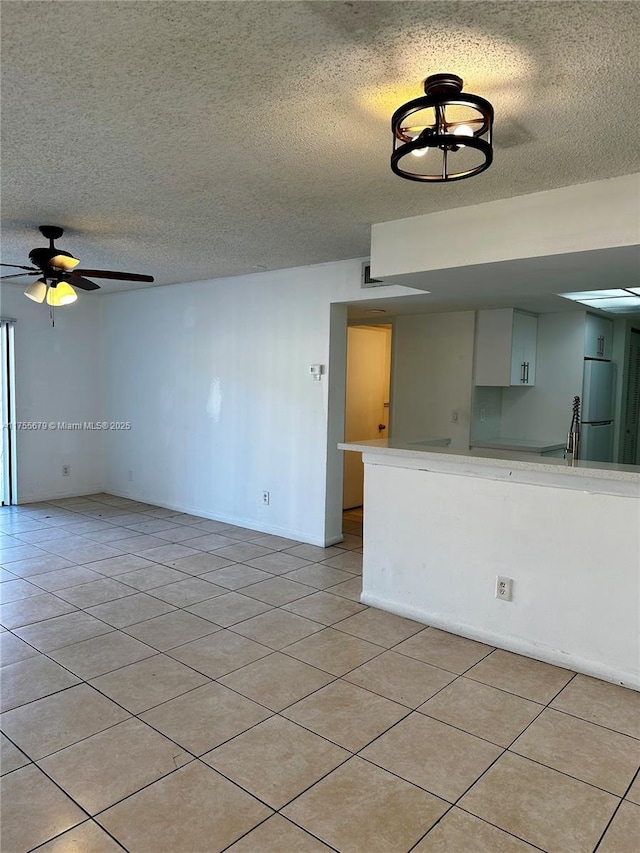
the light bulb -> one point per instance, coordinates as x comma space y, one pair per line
61, 294
419, 152
37, 291
463, 130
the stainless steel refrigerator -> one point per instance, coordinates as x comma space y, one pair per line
596, 429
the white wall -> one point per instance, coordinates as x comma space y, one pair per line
434, 543
214, 377
59, 379
337, 385
431, 374
596, 215
544, 411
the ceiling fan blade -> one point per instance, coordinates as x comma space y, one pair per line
17, 274
17, 267
78, 281
122, 276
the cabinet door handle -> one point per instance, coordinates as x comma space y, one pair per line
522, 373
601, 345
526, 374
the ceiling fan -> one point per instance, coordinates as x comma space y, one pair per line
59, 274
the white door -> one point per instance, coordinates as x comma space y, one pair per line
367, 400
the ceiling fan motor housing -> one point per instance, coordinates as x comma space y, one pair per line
51, 232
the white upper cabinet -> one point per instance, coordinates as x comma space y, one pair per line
506, 348
598, 337
523, 349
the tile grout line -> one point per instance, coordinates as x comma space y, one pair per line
72, 829
506, 750
282, 650
293, 823
339, 677
120, 630
623, 799
197, 758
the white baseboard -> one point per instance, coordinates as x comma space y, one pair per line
518, 645
54, 496
238, 521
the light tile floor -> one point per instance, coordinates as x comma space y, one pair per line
172, 683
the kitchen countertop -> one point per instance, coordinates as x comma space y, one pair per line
499, 464
520, 444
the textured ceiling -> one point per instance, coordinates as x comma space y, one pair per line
192, 140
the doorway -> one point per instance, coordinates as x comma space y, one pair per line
366, 402
7, 410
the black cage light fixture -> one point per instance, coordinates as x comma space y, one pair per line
444, 136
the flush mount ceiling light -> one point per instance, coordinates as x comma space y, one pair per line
444, 136
625, 300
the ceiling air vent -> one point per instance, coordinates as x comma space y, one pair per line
367, 281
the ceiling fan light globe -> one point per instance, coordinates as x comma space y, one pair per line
64, 262
61, 294
37, 291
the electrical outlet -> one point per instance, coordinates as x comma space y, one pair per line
66, 470
265, 498
483, 415
454, 417
504, 588
130, 475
